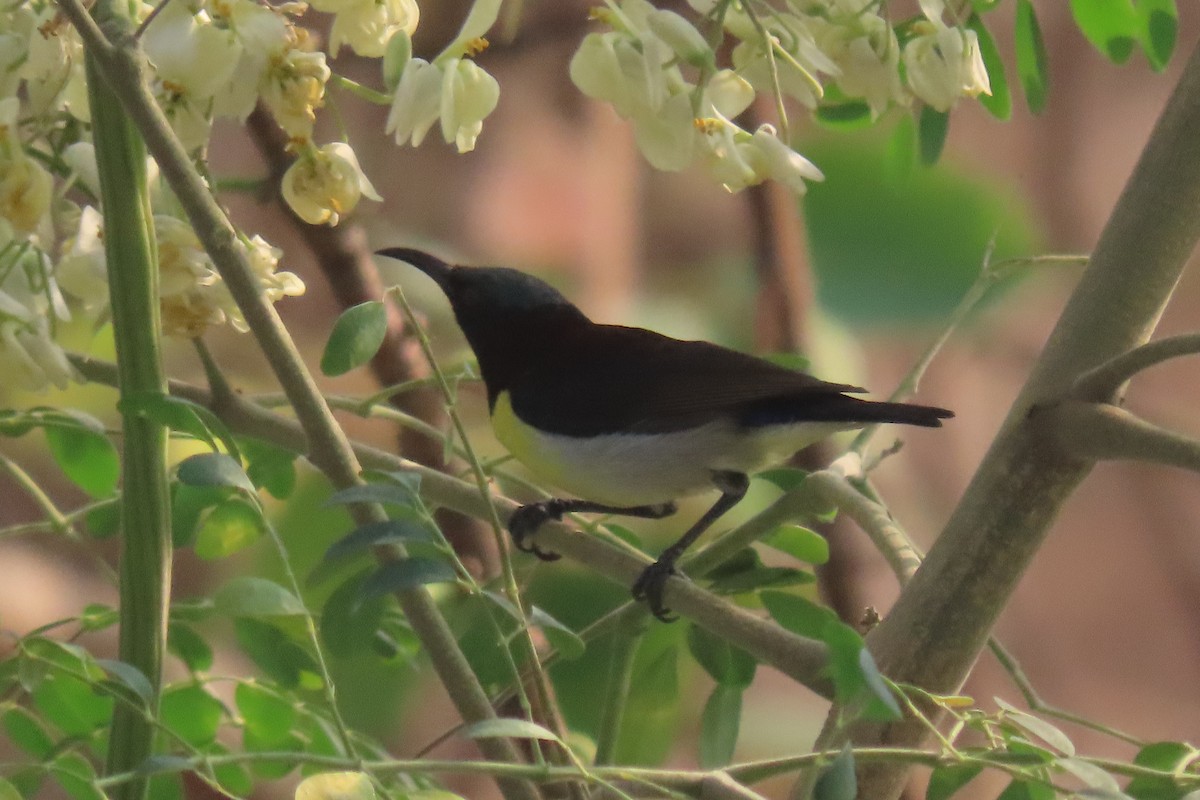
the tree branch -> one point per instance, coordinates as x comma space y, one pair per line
942, 619
1105, 383
1102, 432
801, 659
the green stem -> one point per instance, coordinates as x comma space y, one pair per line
120, 60
145, 568
616, 690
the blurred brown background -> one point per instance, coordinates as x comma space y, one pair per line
1104, 622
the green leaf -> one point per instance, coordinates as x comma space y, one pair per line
191, 713
248, 596
188, 504
1165, 756
268, 715
337, 786
798, 614
104, 520
945, 781
214, 469
1038, 727
800, 543
1112, 26
838, 781
566, 641
850, 115
276, 654
234, 778
189, 647
98, 617
1032, 61
382, 493
27, 732
398, 576
77, 776
271, 468
508, 728
355, 338
759, 578
931, 134
73, 706
728, 665
183, 416
999, 102
719, 724
878, 687
130, 677
8, 791
232, 525
273, 769
1092, 775
653, 704
1159, 29
87, 457
1027, 790
391, 531
349, 622
784, 478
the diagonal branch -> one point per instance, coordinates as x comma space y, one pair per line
797, 657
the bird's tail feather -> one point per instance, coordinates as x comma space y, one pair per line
841, 408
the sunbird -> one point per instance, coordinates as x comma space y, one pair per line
629, 420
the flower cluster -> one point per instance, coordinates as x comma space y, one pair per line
52, 260
661, 73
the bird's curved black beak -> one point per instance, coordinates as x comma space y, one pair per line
431, 265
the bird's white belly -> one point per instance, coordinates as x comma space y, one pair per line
629, 469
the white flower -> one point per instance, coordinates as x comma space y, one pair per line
293, 88
456, 91
865, 49
945, 64
367, 25
193, 57
264, 35
469, 94
326, 183
264, 259
417, 102
781, 163
681, 36
25, 185
30, 358
81, 269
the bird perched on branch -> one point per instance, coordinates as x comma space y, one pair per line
627, 419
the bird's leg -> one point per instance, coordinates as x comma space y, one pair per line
653, 581
528, 518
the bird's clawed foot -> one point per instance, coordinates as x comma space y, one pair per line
651, 584
527, 519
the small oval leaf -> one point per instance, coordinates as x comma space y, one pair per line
248, 596
214, 469
355, 338
398, 576
85, 456
508, 728
367, 536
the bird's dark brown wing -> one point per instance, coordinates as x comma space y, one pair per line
609, 378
